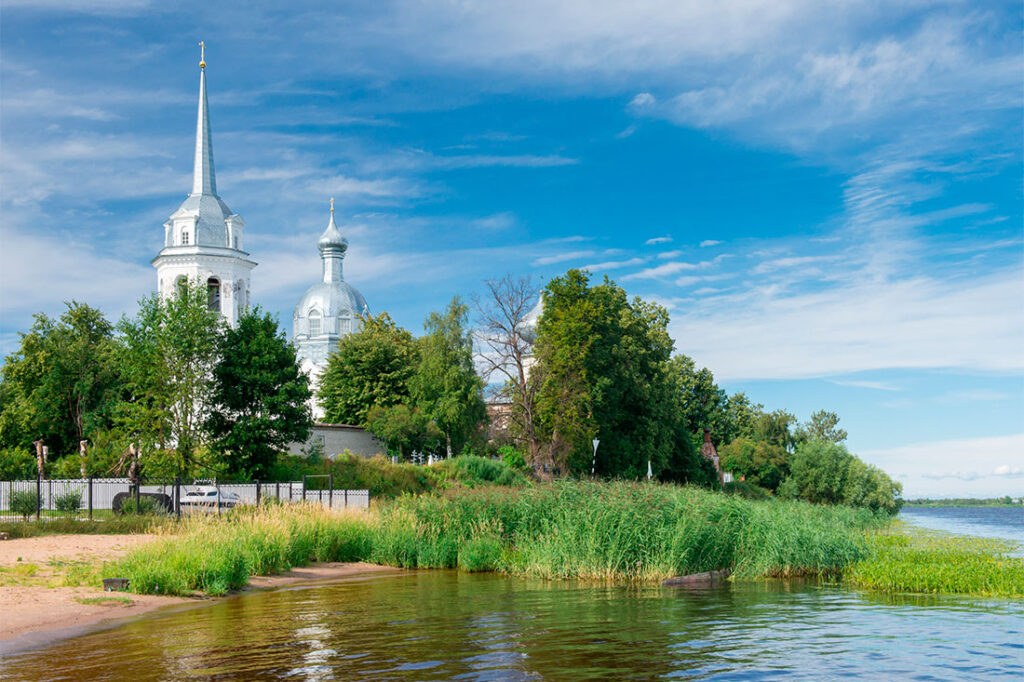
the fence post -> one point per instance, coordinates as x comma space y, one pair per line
257, 493
277, 491
330, 491
217, 486
303, 487
346, 498
138, 495
90, 498
39, 494
49, 493
177, 496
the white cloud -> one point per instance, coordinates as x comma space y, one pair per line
673, 268
969, 467
383, 188
657, 240
562, 257
613, 265
873, 385
709, 242
671, 254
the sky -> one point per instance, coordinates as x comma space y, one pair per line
826, 196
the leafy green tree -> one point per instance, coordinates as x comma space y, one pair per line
826, 473
774, 428
703, 404
259, 397
602, 368
403, 429
758, 462
371, 367
822, 425
63, 382
445, 385
170, 350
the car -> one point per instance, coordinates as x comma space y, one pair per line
208, 497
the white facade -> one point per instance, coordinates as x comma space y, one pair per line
204, 239
328, 311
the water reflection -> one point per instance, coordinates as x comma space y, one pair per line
449, 625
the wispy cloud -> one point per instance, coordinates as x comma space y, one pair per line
562, 257
709, 242
614, 265
658, 240
872, 385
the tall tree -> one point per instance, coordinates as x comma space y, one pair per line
62, 384
446, 386
603, 372
505, 336
170, 349
371, 367
404, 429
259, 397
822, 425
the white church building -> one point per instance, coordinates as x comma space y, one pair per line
204, 242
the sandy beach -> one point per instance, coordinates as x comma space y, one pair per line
34, 612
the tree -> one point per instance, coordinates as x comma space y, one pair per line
603, 371
760, 463
259, 397
170, 349
371, 367
773, 427
822, 426
63, 382
445, 386
403, 429
704, 405
827, 473
505, 335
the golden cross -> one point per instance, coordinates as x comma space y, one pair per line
332, 204
202, 55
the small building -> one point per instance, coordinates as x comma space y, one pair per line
330, 440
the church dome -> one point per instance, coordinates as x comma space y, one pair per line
331, 299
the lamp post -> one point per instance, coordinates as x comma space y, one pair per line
593, 462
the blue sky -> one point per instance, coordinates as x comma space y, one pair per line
826, 196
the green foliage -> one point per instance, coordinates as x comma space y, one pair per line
70, 501
62, 383
371, 367
378, 475
113, 525
602, 370
259, 396
760, 463
170, 352
471, 471
917, 560
822, 426
747, 490
147, 506
826, 473
17, 464
24, 502
445, 386
403, 429
480, 554
513, 457
774, 428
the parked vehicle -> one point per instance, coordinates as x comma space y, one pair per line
207, 498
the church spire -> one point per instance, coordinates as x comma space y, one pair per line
332, 247
203, 180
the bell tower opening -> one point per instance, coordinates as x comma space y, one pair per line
213, 294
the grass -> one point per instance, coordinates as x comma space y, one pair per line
113, 524
104, 601
907, 559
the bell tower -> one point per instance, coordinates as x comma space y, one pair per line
204, 239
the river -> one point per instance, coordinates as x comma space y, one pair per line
1005, 523
428, 625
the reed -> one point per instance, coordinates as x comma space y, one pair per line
908, 559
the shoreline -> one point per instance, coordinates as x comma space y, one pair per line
36, 614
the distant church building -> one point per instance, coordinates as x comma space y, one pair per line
327, 311
203, 239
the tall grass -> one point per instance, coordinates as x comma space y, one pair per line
612, 531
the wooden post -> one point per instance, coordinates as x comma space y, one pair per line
82, 452
330, 493
90, 496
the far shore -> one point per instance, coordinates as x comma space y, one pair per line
36, 614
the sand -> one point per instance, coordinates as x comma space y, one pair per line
33, 614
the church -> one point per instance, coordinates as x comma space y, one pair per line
204, 241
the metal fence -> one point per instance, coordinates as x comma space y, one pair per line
92, 498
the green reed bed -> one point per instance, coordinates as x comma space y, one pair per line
908, 559
595, 531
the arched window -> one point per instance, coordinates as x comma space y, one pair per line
314, 323
213, 294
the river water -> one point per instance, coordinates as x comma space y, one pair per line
429, 625
1005, 523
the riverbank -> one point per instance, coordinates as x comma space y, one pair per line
39, 607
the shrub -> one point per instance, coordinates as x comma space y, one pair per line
472, 471
24, 502
760, 463
513, 457
70, 501
147, 505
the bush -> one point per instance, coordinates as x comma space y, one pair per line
471, 471
513, 457
147, 505
826, 473
760, 463
17, 464
70, 501
24, 502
